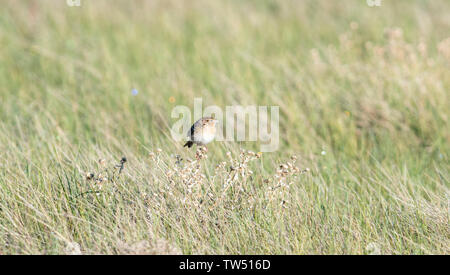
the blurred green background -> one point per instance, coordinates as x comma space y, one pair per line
368, 86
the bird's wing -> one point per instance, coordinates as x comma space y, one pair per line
190, 134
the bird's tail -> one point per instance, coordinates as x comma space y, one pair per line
188, 144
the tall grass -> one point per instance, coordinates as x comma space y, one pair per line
364, 105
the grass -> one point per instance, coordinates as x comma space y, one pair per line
366, 86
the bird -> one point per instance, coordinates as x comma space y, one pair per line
202, 132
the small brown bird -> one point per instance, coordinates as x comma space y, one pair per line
202, 132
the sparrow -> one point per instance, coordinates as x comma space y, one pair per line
202, 132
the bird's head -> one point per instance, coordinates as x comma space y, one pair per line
210, 121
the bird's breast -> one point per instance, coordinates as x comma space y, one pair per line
206, 135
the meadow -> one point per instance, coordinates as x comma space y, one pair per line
88, 165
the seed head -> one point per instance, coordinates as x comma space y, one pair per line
90, 176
